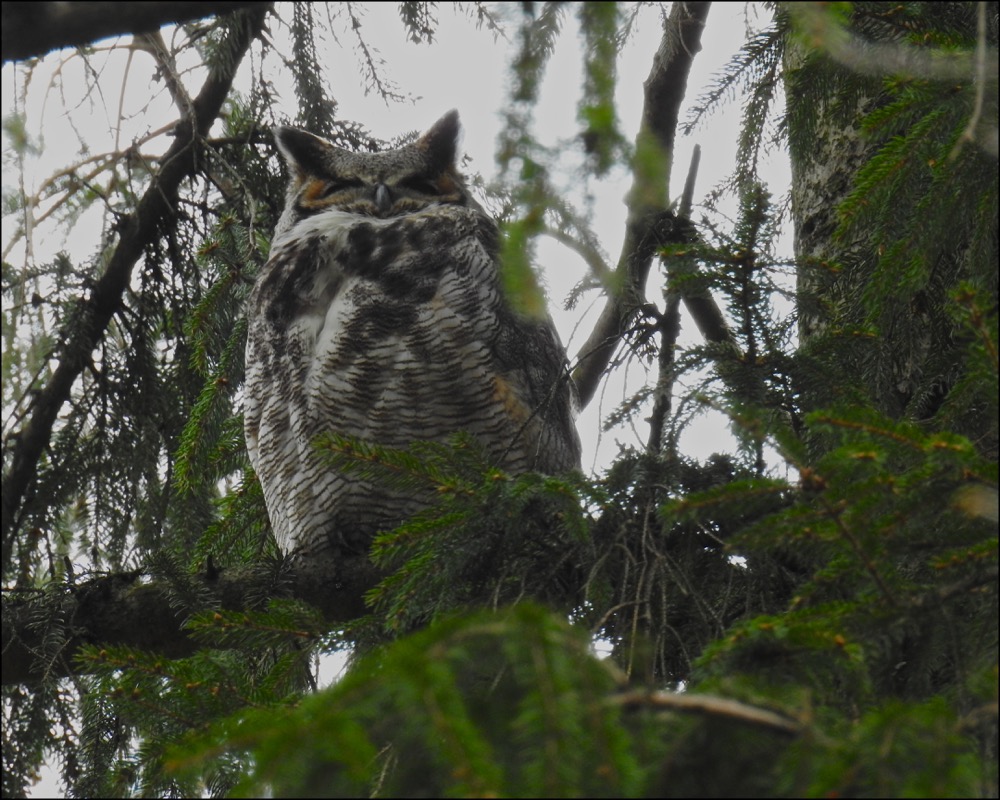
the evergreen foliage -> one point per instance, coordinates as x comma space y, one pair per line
920, 214
814, 614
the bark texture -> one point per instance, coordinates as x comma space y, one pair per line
43, 632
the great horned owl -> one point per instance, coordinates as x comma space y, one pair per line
380, 315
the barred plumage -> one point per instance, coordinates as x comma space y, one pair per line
380, 315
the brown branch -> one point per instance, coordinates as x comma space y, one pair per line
167, 67
118, 610
712, 706
35, 28
699, 301
670, 326
135, 232
975, 580
648, 205
706, 314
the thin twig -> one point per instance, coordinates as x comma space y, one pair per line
670, 326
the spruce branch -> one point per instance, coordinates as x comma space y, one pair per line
836, 39
136, 232
835, 513
119, 611
372, 63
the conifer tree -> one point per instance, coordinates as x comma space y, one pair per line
814, 613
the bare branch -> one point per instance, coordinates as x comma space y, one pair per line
982, 77
670, 326
648, 209
135, 231
588, 252
687, 199
712, 706
50, 188
153, 43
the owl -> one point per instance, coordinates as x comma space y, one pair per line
380, 315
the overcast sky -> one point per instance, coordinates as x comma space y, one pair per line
466, 69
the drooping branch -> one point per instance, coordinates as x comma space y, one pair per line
649, 217
33, 29
136, 231
121, 610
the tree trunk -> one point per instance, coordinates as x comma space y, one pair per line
874, 297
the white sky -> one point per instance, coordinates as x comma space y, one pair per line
464, 69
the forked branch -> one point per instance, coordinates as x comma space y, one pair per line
649, 217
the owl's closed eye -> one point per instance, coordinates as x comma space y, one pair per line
378, 185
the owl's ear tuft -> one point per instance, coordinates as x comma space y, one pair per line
440, 143
303, 152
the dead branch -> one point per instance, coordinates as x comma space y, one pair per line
712, 706
670, 326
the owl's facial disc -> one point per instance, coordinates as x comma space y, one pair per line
379, 197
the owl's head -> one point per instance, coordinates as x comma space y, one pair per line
387, 184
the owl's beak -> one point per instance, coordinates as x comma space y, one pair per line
383, 202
